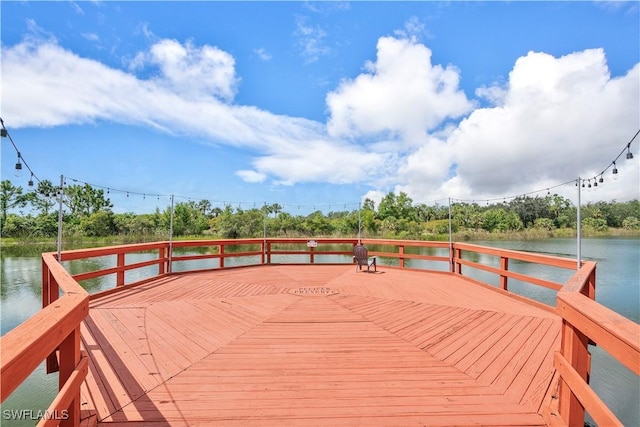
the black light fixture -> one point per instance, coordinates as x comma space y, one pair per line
601, 180
629, 153
3, 133
18, 171
615, 171
31, 180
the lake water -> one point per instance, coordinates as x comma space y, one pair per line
617, 287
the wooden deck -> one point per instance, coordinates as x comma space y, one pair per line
317, 345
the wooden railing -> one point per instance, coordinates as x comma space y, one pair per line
585, 321
56, 328
54, 332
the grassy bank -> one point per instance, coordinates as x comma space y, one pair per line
50, 244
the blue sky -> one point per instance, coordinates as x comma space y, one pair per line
315, 105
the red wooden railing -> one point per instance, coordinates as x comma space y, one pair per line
54, 332
56, 328
584, 321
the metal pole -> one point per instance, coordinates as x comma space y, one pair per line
60, 217
170, 238
579, 228
450, 239
359, 222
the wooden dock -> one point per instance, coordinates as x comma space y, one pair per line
317, 345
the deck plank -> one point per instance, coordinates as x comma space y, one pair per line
248, 347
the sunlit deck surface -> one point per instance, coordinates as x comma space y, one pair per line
317, 345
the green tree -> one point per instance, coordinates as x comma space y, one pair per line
43, 198
530, 208
631, 223
10, 197
368, 204
286, 224
18, 226
316, 224
97, 224
204, 206
498, 219
398, 207
369, 222
229, 223
188, 219
85, 200
47, 225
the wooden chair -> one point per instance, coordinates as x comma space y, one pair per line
362, 258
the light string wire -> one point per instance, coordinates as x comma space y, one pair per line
627, 148
5, 132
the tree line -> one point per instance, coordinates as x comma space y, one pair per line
87, 211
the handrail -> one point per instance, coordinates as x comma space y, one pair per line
55, 330
584, 321
55, 327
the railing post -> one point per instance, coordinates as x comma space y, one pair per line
120, 273
268, 252
457, 265
162, 265
50, 293
45, 284
590, 289
69, 359
400, 256
575, 350
311, 255
221, 246
504, 266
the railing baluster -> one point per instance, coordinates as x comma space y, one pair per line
69, 359
120, 274
575, 350
504, 266
162, 264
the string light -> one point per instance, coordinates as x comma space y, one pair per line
4, 133
597, 179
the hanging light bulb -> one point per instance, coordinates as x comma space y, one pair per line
601, 180
18, 170
615, 171
629, 153
595, 182
31, 180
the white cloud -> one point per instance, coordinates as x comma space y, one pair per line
191, 70
311, 40
557, 119
251, 176
46, 85
413, 29
91, 36
262, 54
402, 93
403, 124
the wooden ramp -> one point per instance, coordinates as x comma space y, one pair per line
316, 345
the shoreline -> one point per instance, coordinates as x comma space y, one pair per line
49, 244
